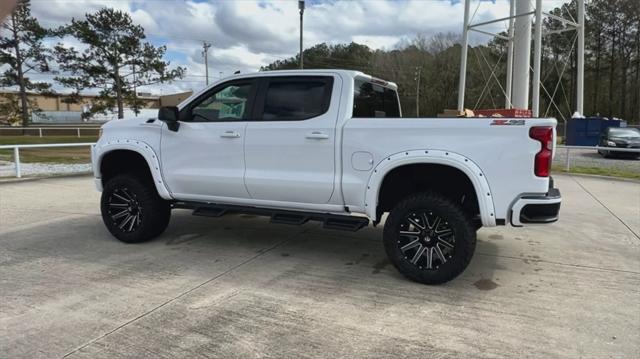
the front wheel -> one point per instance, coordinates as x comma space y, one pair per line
429, 239
132, 210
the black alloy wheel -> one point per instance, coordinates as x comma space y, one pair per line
426, 240
124, 210
132, 210
429, 238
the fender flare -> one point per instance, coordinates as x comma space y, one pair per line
447, 158
140, 147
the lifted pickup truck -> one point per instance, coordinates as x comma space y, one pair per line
329, 145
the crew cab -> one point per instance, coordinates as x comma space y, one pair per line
329, 146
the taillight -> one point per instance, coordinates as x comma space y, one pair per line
542, 163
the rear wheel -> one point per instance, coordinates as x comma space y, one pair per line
132, 210
429, 239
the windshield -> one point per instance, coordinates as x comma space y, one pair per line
624, 132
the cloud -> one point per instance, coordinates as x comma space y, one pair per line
248, 34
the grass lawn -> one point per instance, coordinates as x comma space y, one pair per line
610, 172
48, 155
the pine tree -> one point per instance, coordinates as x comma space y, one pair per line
22, 50
116, 60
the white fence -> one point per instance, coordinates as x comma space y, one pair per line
47, 128
16, 150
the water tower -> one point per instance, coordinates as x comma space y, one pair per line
520, 72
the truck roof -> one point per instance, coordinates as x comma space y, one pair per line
348, 73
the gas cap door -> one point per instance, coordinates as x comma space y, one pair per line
362, 161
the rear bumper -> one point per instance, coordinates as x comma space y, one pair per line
537, 209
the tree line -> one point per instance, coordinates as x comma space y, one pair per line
114, 59
612, 66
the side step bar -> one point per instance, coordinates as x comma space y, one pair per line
209, 212
329, 221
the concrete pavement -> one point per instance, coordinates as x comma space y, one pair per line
241, 287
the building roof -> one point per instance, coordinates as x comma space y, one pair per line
58, 94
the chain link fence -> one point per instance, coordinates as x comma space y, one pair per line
623, 162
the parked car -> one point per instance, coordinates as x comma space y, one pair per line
619, 137
329, 146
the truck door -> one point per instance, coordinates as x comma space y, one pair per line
290, 147
205, 156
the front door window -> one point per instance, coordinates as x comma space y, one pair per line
228, 104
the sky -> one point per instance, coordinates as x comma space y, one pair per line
247, 34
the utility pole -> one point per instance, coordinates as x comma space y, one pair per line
463, 56
522, 54
512, 14
301, 8
580, 61
417, 78
537, 60
205, 50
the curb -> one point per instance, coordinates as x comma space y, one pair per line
611, 178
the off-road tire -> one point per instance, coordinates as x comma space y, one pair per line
462, 238
132, 193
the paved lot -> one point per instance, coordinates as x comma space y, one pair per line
240, 287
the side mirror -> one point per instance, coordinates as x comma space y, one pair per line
170, 115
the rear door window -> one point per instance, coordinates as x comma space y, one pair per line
296, 98
373, 100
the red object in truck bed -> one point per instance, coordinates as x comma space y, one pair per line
504, 112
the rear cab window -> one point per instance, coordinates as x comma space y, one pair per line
373, 99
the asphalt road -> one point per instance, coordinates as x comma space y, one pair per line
239, 287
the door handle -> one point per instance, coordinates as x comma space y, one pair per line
230, 134
317, 135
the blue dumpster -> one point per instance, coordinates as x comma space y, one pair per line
586, 131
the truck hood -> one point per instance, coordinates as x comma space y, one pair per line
129, 122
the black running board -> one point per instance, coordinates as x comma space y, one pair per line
329, 221
209, 212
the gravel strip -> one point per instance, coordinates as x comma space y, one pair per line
591, 158
8, 169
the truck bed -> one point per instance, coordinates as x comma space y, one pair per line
501, 149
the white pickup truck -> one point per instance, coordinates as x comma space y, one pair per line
331, 146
